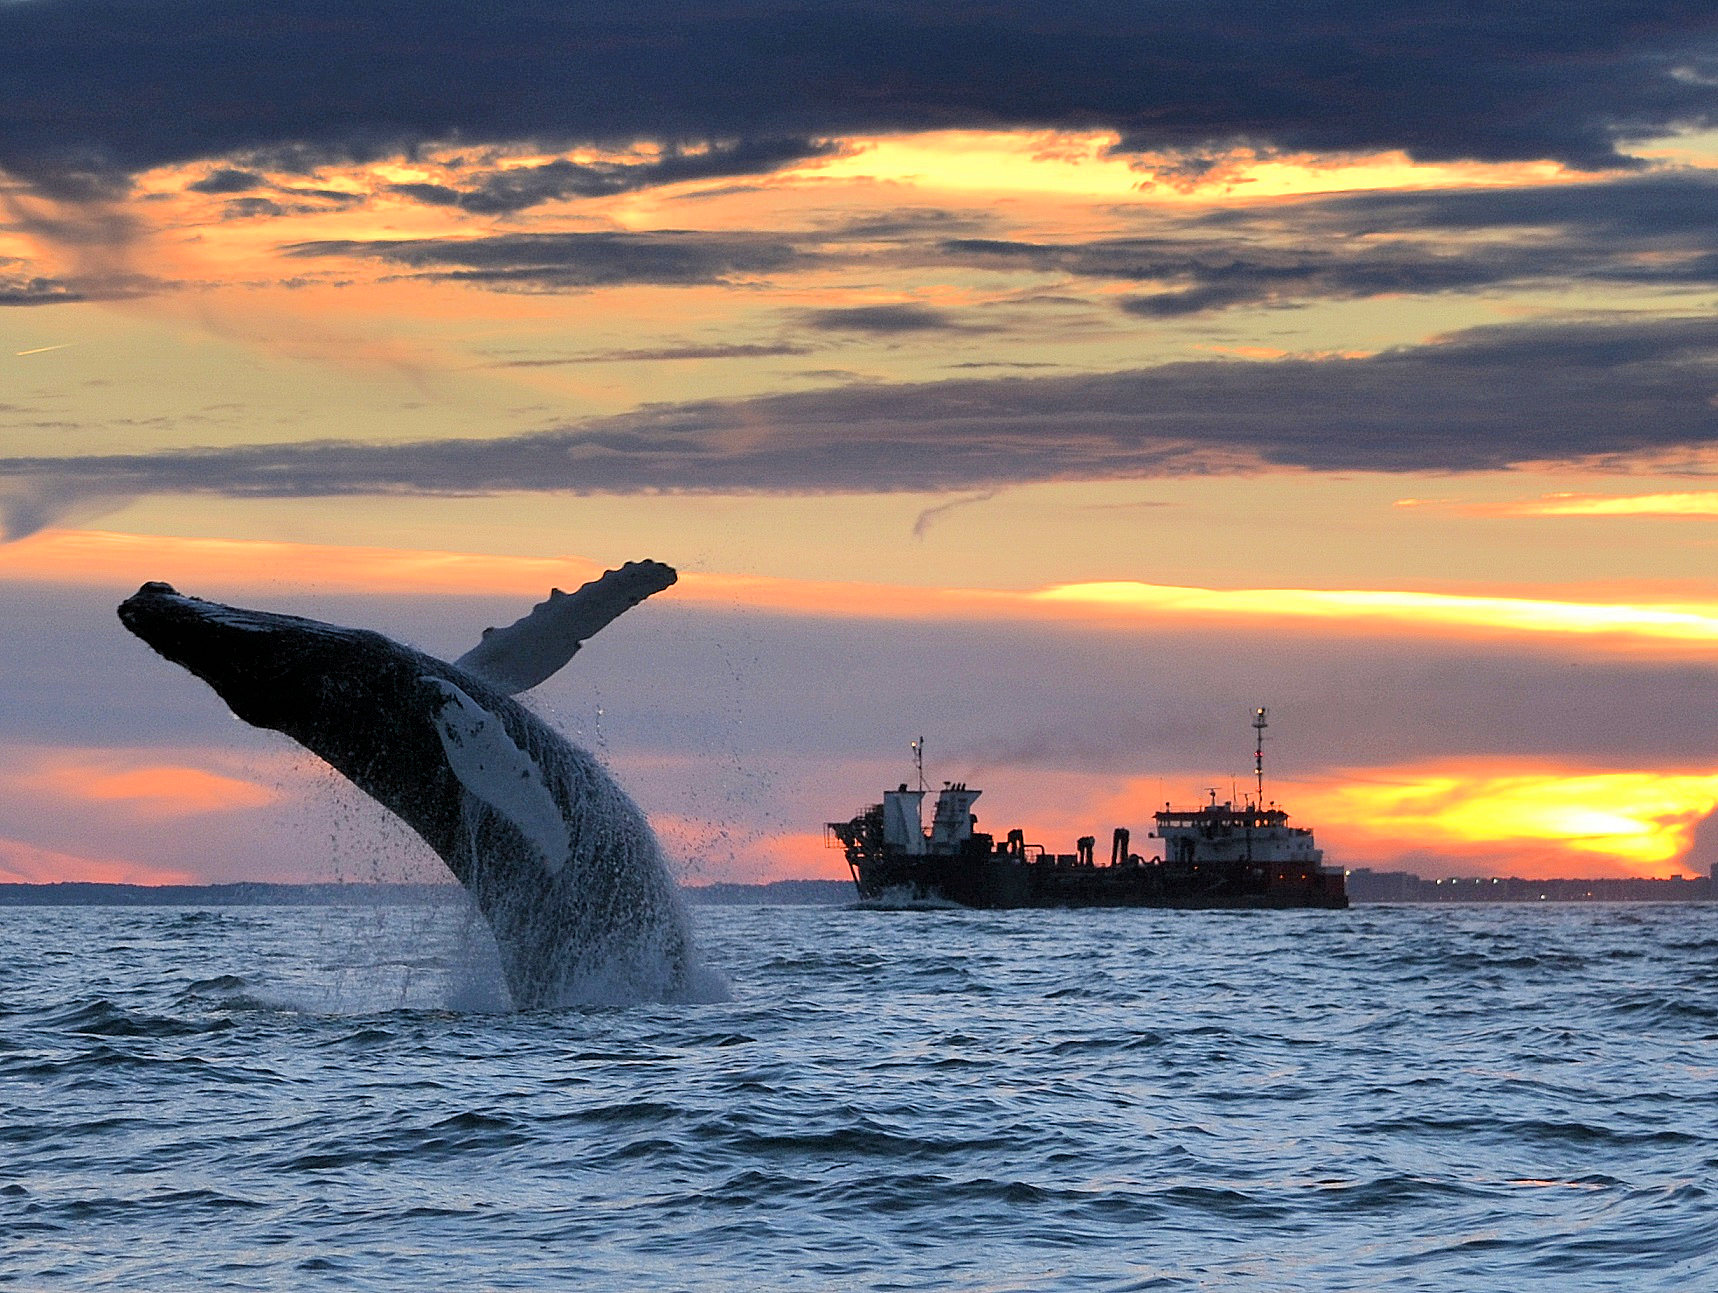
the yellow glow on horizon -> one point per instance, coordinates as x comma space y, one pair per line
1642, 820
1686, 623
1692, 503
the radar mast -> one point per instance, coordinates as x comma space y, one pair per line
1259, 725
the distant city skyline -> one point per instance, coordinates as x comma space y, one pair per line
1056, 382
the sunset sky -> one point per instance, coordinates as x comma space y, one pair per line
1054, 381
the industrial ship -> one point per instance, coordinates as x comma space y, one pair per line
1217, 855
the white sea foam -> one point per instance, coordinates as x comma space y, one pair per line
904, 897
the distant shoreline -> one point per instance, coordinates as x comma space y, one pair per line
1364, 887
1368, 886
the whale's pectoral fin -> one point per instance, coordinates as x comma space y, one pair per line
524, 653
497, 772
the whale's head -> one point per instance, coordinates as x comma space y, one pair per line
272, 670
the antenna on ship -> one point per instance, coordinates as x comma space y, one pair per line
919, 761
1259, 726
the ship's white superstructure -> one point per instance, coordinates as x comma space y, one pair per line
1224, 833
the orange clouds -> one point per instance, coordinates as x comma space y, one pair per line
157, 790
173, 815
135, 780
22, 863
89, 556
704, 852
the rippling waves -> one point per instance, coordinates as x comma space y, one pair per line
1385, 1098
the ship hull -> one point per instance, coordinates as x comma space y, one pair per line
1004, 882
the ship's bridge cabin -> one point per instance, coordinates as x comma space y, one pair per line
1224, 833
951, 823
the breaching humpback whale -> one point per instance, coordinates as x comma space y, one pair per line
559, 860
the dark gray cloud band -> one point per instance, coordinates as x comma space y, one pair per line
504, 191
577, 260
658, 354
884, 320
1653, 230
1487, 398
36, 290
93, 87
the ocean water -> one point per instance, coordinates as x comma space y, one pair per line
1450, 1098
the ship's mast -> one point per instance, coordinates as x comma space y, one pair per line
1259, 726
919, 760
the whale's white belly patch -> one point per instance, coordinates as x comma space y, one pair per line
492, 767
